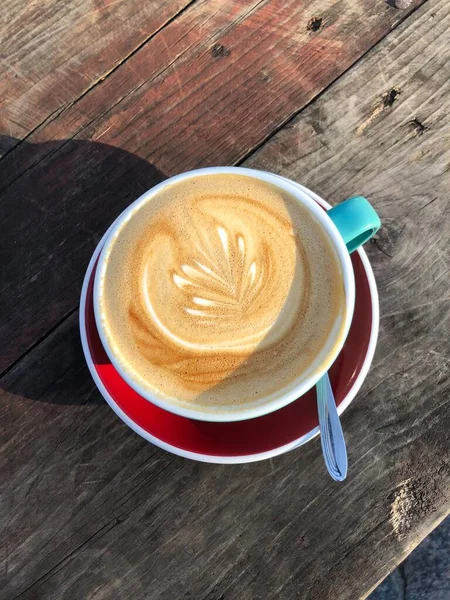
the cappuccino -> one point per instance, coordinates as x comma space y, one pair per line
220, 290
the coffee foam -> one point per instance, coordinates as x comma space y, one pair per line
220, 290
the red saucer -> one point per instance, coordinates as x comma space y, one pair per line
244, 440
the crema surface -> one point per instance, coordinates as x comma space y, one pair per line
220, 290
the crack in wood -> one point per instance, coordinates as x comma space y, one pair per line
38, 342
242, 560
428, 204
376, 243
246, 153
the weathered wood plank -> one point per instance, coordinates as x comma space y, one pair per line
95, 512
204, 90
383, 130
55, 51
91, 509
204, 71
63, 207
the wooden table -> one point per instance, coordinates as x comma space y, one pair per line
100, 99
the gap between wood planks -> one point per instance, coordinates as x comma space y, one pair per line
55, 114
243, 158
392, 431
314, 25
218, 51
325, 89
103, 530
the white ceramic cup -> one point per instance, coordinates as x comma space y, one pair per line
324, 358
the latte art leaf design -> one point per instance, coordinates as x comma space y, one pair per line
221, 283
220, 291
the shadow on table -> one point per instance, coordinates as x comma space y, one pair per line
53, 215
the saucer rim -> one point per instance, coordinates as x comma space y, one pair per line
210, 458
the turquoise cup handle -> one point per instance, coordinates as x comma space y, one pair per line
356, 221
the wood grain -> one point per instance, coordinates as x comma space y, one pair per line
200, 75
205, 90
63, 207
383, 131
54, 51
92, 511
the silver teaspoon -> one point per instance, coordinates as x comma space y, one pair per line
331, 435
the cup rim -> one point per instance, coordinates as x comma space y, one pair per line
282, 398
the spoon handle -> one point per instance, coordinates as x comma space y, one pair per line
331, 434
